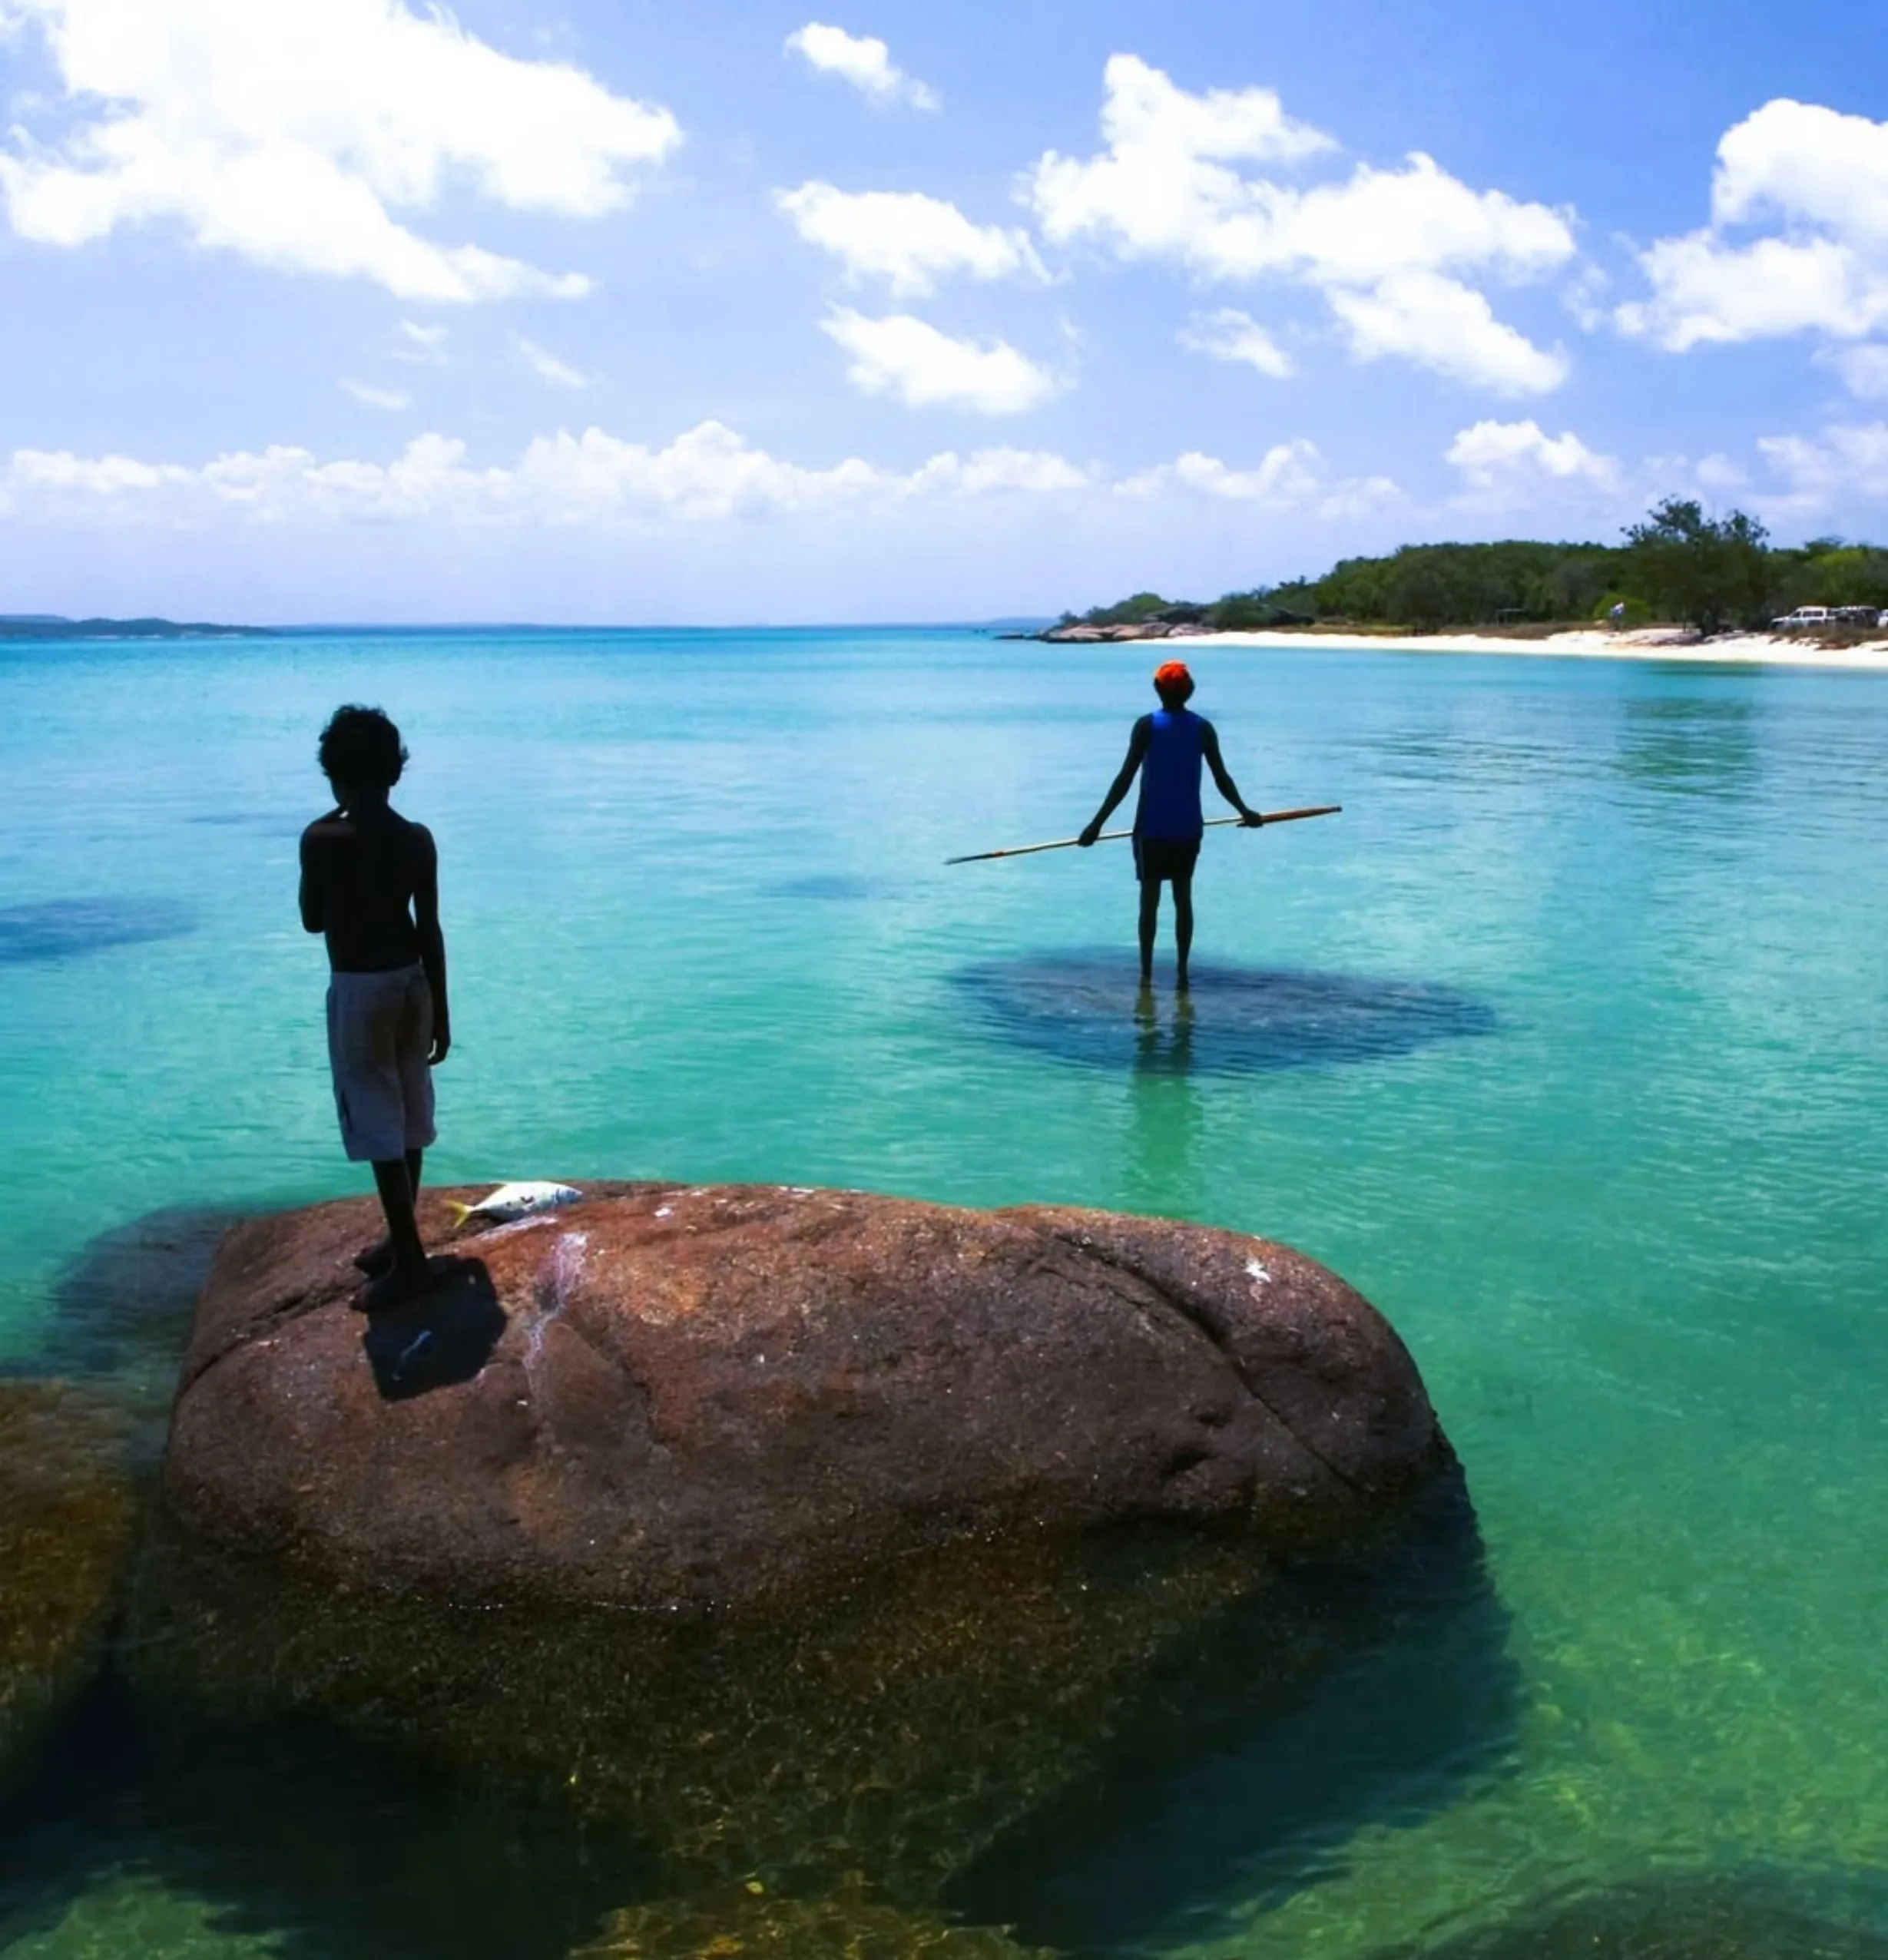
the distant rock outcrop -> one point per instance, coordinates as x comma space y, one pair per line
1143, 629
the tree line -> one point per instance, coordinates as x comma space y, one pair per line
1678, 565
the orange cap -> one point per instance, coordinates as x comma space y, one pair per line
1172, 673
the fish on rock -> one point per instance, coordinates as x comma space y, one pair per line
516, 1201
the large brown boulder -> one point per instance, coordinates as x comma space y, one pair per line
668, 1398
809, 1531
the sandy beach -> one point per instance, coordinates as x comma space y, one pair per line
1651, 643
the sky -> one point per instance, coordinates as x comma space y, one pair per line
632, 311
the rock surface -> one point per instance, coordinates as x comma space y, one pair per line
65, 1527
671, 1398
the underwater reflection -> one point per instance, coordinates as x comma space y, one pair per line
122, 1310
1691, 744
1236, 1795
264, 822
831, 885
290, 1837
1167, 1118
68, 929
1089, 1007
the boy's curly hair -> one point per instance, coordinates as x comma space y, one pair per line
361, 746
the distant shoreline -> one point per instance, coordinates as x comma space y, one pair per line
1657, 643
1649, 644
41, 628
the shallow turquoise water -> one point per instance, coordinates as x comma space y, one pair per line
1584, 1081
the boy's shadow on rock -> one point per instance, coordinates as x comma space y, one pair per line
440, 1338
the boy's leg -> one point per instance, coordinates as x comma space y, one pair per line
378, 1258
406, 1272
1182, 926
1149, 923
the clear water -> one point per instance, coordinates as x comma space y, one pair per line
1583, 1076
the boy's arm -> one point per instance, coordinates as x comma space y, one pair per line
1209, 747
1137, 748
432, 939
313, 896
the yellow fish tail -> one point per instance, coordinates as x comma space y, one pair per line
460, 1212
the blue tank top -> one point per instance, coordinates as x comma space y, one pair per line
1170, 775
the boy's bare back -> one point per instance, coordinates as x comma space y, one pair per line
370, 882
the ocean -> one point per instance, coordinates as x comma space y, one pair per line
1566, 1043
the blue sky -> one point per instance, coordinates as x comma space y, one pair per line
623, 310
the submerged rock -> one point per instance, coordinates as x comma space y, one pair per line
759, 1924
66, 1511
806, 1530
1680, 1916
122, 1311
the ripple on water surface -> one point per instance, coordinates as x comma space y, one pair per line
1089, 1007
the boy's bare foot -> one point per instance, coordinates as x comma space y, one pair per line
376, 1258
1182, 983
395, 1287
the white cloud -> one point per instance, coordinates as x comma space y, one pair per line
1499, 455
902, 356
1378, 243
1229, 334
545, 364
903, 237
1286, 473
1584, 296
1439, 324
1039, 471
1717, 471
708, 472
1851, 461
290, 130
1799, 161
376, 398
425, 346
1289, 476
1818, 179
1864, 370
865, 62
1705, 291
94, 476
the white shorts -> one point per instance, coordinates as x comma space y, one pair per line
379, 1036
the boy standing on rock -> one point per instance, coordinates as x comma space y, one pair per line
1167, 747
370, 882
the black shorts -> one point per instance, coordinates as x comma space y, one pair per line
1156, 858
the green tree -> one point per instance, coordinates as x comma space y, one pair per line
1700, 569
1844, 575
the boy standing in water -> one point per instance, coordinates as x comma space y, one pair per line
370, 882
1167, 747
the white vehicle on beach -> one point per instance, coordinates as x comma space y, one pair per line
1803, 616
